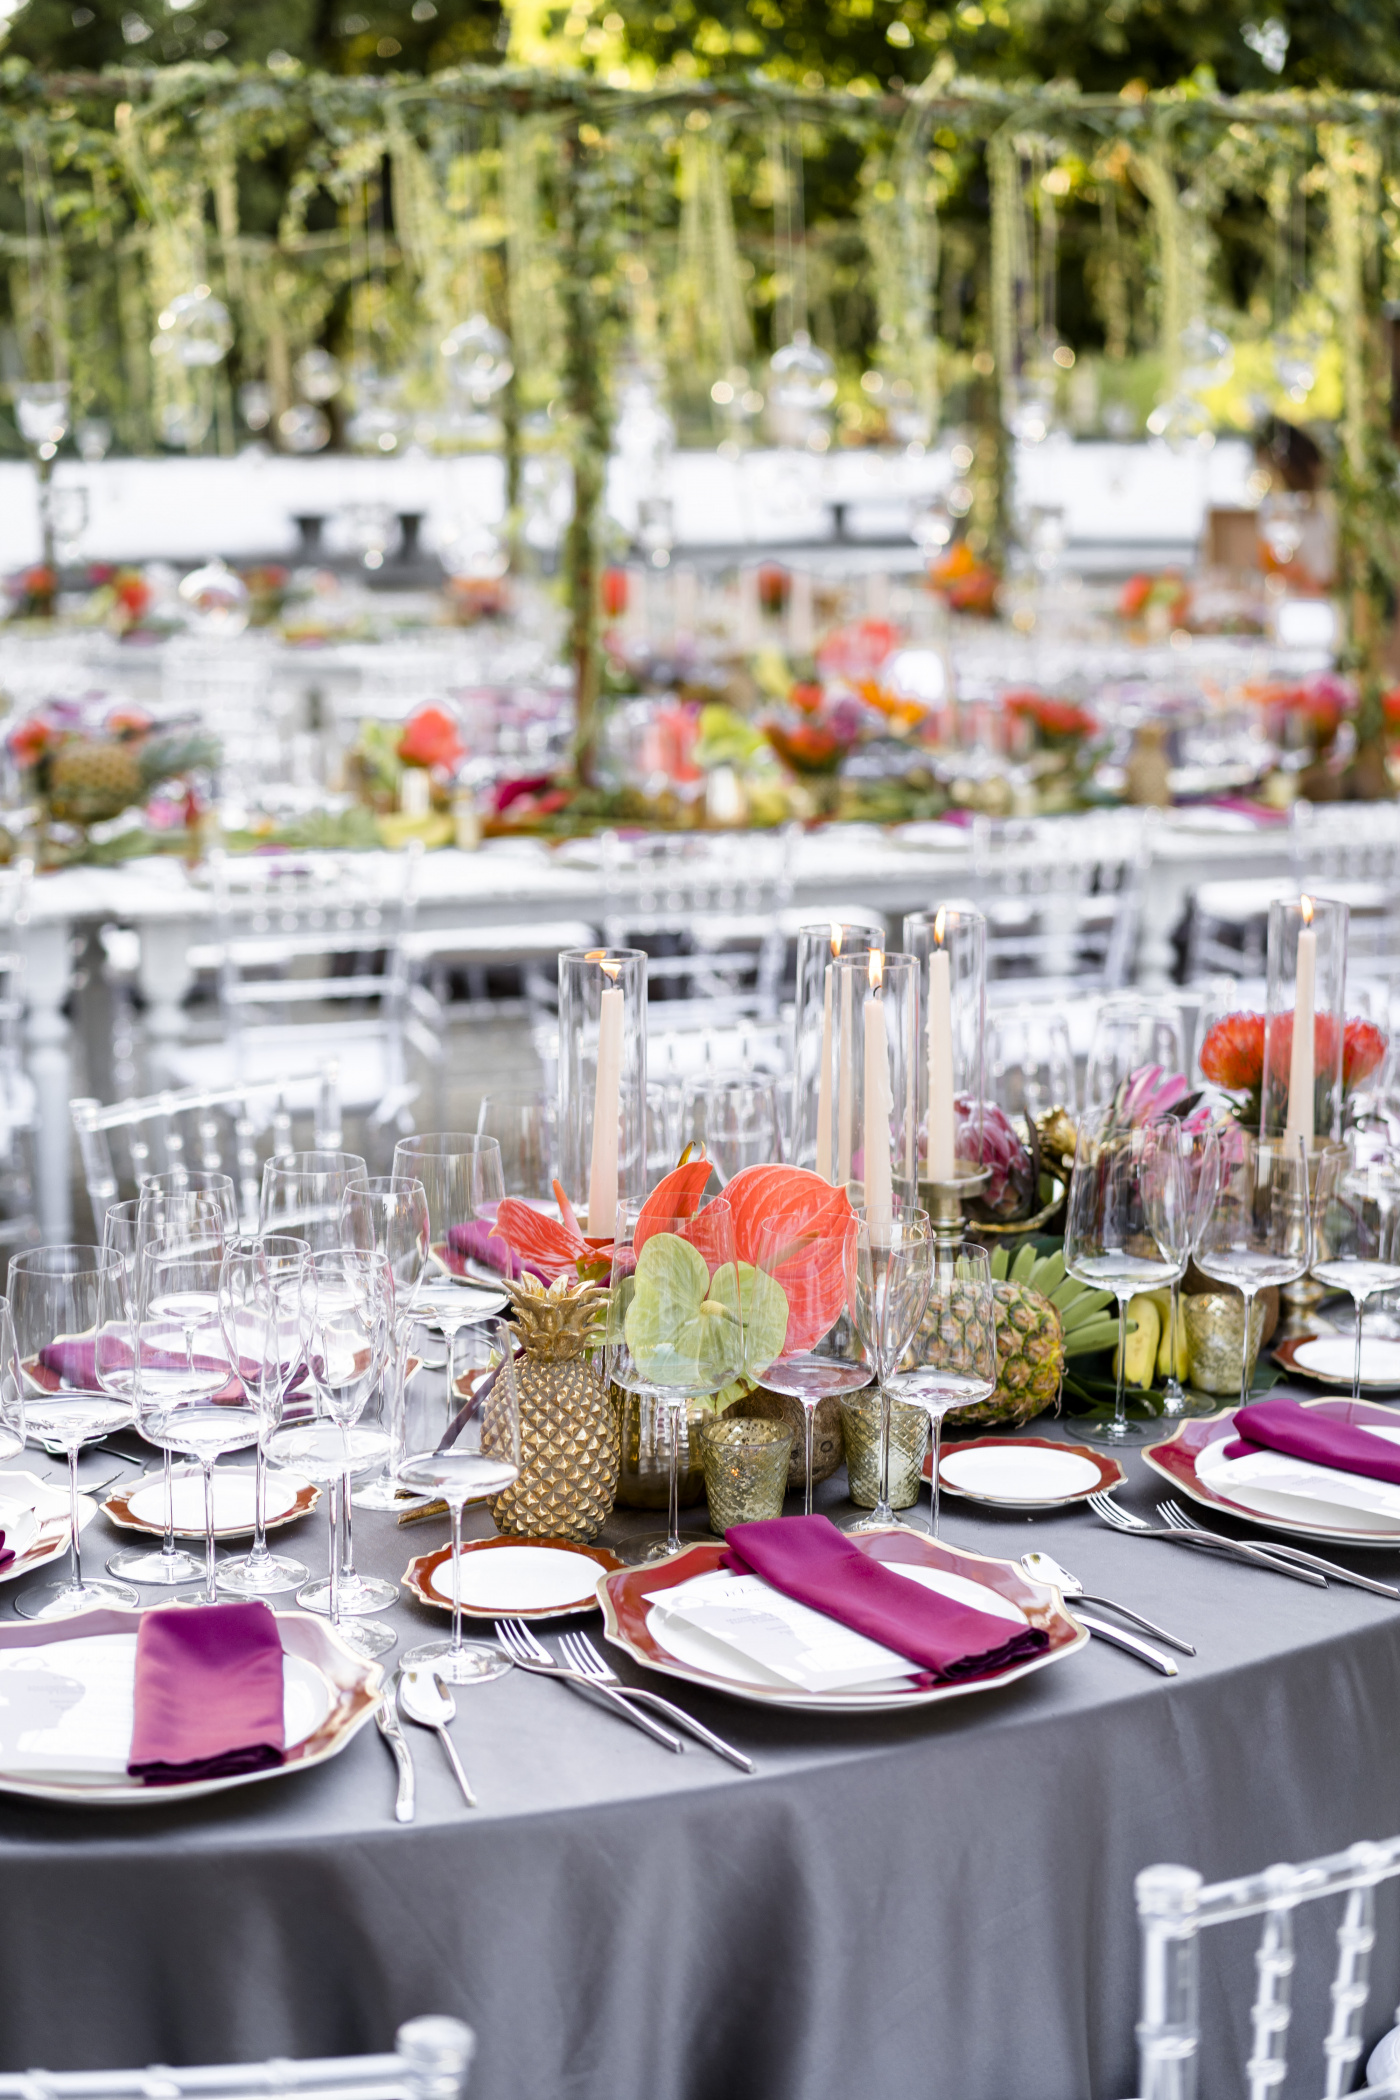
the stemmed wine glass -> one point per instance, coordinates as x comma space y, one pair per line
1356, 1230
1029, 1061
675, 1327
952, 1361
887, 1285
1260, 1231
479, 1456
390, 1213
302, 1194
735, 1119
526, 1127
64, 1301
819, 1355
126, 1229
347, 1317
1199, 1152
1134, 1030
11, 1388
181, 1195
188, 1396
464, 1184
1127, 1229
260, 1313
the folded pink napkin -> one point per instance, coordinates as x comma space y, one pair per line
208, 1694
808, 1558
1300, 1432
73, 1363
7, 1553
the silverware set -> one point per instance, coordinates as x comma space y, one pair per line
585, 1671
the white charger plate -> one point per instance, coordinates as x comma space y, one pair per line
139, 1505
514, 1578
1028, 1472
1331, 1356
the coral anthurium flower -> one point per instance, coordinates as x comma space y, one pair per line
1363, 1047
430, 738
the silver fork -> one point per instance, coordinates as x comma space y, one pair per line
1209, 1541
529, 1654
580, 1651
1171, 1513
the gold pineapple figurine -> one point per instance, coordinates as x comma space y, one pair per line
569, 1443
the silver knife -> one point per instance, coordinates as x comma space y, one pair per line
388, 1723
1128, 1642
1328, 1568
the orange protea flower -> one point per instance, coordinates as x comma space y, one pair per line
430, 739
1232, 1054
1363, 1047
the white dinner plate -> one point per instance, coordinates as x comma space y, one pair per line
1024, 1472
1331, 1356
49, 1504
515, 1578
139, 1505
1316, 1504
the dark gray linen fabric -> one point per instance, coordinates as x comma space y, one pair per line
938, 1903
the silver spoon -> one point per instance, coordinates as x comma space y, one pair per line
1043, 1568
427, 1701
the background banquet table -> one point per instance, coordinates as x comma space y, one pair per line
940, 1902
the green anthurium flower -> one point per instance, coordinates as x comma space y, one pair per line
762, 1304
682, 1338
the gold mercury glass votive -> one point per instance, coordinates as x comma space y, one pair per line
860, 1420
1214, 1331
746, 1470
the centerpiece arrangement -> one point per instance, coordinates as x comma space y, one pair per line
106, 786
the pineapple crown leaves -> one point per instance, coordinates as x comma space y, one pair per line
1084, 1320
559, 1320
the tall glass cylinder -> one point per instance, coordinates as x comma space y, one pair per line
873, 1124
818, 946
949, 948
602, 1081
1305, 1020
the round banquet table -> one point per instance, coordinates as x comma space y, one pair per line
940, 1902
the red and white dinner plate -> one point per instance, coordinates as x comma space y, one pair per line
1328, 1359
995, 1586
139, 1504
1178, 1461
513, 1578
1023, 1472
49, 1505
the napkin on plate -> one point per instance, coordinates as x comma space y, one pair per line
208, 1694
72, 1361
807, 1558
1300, 1432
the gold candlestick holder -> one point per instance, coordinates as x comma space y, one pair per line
944, 1200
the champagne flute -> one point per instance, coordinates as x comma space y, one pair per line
1199, 1152
69, 1309
1356, 1230
820, 1355
479, 1456
189, 1397
259, 1312
464, 1183
887, 1285
1260, 1231
675, 1327
952, 1361
126, 1228
1127, 1229
390, 1213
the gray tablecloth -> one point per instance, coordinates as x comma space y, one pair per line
939, 1903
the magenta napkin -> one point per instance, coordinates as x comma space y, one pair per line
74, 1363
1300, 1432
808, 1559
7, 1553
208, 1694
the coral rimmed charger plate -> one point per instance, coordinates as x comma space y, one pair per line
139, 1505
1024, 1472
998, 1586
66, 1708
41, 1532
1327, 1359
513, 1578
1191, 1461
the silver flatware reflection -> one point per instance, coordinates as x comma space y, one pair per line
1129, 1643
580, 1651
1042, 1568
426, 1700
531, 1655
1171, 1513
387, 1721
1108, 1512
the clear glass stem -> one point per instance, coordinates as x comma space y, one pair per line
454, 1511
75, 1550
1360, 1304
333, 1507
211, 1594
809, 1423
260, 1551
1120, 1403
1245, 1366
347, 1522
168, 1547
673, 1506
883, 1514
397, 1410
1173, 1385
935, 1433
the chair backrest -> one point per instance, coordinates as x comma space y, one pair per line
1062, 897
707, 911
431, 2059
1175, 1905
1351, 842
216, 1130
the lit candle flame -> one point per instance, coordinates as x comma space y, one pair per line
609, 969
1307, 910
938, 919
836, 932
877, 969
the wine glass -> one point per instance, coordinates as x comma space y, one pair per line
1127, 1229
68, 1303
479, 1456
188, 1395
464, 1184
819, 1355
302, 1193
1029, 1062
953, 1359
1260, 1231
734, 1120
675, 1327
11, 1388
260, 1314
1356, 1230
887, 1285
126, 1228
181, 1196
1199, 1152
347, 1317
526, 1127
1133, 1032
390, 1213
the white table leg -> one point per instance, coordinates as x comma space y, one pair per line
165, 976
1165, 891
47, 978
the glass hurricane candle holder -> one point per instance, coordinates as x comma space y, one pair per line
1305, 1020
873, 1125
818, 947
602, 1081
949, 946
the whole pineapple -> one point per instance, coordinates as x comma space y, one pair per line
569, 1447
91, 779
1044, 1319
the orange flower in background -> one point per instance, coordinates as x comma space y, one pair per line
430, 738
1363, 1047
858, 649
969, 585
29, 740
807, 694
1053, 718
614, 593
1232, 1054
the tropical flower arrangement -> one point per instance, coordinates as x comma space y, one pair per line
1056, 725
1232, 1057
965, 582
1163, 600
384, 751
85, 770
31, 592
814, 735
